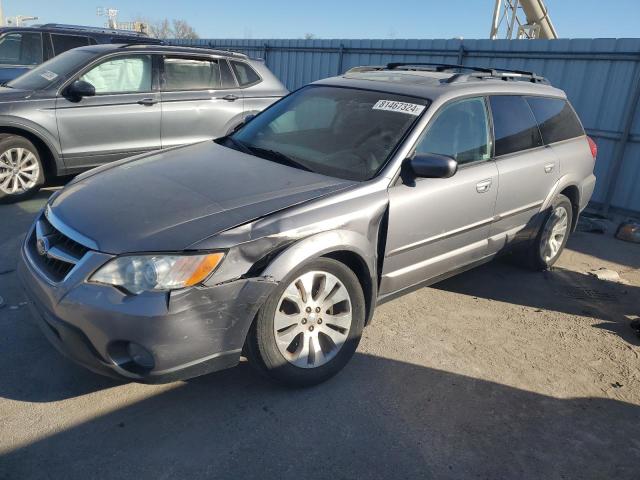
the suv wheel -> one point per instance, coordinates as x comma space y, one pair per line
21, 172
310, 326
553, 235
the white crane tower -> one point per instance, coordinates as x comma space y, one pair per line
507, 22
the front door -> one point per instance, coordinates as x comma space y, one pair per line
121, 120
439, 224
200, 100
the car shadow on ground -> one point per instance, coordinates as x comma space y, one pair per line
612, 305
378, 419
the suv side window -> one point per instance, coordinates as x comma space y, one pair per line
514, 126
556, 119
461, 131
62, 43
225, 74
21, 48
191, 74
244, 73
126, 74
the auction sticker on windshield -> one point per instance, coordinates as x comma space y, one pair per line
402, 107
48, 75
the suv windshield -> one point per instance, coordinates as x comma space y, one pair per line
55, 70
341, 132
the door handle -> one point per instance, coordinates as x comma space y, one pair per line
483, 186
229, 98
548, 168
147, 101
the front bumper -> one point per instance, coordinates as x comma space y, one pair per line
187, 333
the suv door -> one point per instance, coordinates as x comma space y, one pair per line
200, 99
528, 170
437, 225
121, 120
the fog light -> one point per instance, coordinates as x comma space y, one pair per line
140, 356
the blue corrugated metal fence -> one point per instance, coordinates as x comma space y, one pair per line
601, 78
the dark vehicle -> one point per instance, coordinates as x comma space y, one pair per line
96, 104
278, 241
22, 48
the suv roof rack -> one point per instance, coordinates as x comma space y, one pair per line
459, 71
84, 28
202, 47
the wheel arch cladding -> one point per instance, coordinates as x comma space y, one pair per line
47, 157
573, 194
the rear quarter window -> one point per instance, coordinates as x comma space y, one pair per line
556, 119
245, 74
62, 43
515, 128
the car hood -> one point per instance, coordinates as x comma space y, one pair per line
170, 200
12, 94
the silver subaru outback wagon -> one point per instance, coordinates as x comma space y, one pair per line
277, 241
101, 103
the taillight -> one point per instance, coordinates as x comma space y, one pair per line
593, 147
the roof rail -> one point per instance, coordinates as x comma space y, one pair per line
84, 28
201, 47
476, 72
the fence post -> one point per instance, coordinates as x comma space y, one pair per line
461, 54
340, 58
265, 49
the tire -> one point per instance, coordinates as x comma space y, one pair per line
21, 169
336, 335
543, 252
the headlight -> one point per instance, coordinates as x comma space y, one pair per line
141, 273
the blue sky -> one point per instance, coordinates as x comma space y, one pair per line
344, 18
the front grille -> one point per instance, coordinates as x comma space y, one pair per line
58, 253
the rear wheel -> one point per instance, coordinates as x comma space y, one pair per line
21, 172
553, 236
310, 326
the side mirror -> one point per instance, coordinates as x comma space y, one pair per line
431, 165
80, 88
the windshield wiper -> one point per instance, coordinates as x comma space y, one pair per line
241, 146
277, 157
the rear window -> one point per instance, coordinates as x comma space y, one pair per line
556, 119
244, 73
62, 43
515, 128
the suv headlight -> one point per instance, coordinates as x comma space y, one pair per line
142, 273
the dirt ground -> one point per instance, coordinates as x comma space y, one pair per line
496, 373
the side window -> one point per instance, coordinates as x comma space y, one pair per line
21, 48
191, 74
127, 74
62, 43
556, 119
461, 131
244, 73
226, 76
514, 125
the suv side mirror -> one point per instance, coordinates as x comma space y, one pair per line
431, 165
80, 88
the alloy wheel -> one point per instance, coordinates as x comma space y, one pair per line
555, 231
313, 319
19, 170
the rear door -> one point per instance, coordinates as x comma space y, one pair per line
437, 225
527, 169
122, 119
200, 99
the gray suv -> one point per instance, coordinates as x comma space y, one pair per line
96, 104
277, 242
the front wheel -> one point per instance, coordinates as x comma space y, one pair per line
21, 172
553, 236
310, 326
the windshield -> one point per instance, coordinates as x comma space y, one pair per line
55, 70
341, 132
